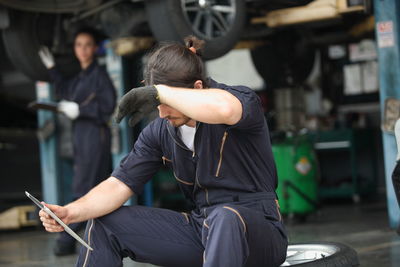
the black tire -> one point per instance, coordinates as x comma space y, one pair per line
168, 21
286, 60
23, 39
343, 255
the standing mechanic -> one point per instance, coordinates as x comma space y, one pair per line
88, 100
216, 140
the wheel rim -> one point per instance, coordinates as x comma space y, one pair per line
297, 254
209, 19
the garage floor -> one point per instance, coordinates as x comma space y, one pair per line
364, 227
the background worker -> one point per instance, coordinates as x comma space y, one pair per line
88, 99
216, 140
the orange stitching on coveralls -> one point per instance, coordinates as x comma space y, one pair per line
238, 214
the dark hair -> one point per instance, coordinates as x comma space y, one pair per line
97, 37
175, 64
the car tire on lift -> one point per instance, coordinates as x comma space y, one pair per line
286, 55
23, 39
326, 254
176, 26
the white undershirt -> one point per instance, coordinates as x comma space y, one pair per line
187, 135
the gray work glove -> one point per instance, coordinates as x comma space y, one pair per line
46, 57
137, 103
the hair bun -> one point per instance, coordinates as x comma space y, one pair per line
192, 42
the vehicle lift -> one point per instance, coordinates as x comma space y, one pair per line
387, 28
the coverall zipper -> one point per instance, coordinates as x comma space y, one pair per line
185, 148
220, 153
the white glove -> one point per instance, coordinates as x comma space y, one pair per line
69, 108
46, 57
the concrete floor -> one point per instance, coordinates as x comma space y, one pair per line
363, 227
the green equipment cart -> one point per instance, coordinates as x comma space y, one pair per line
297, 175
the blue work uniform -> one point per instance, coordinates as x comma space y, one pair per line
94, 92
231, 178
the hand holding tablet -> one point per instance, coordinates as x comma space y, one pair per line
58, 220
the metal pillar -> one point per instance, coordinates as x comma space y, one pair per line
56, 171
121, 133
387, 21
47, 146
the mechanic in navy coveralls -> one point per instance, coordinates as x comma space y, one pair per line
215, 139
89, 100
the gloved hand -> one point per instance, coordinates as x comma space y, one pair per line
69, 108
137, 103
46, 57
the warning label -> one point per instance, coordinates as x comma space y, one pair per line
385, 34
303, 166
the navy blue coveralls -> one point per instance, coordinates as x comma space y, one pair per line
93, 91
231, 178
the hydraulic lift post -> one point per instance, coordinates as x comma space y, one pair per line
387, 23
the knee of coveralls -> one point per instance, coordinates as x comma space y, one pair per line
249, 233
107, 250
224, 237
226, 215
158, 236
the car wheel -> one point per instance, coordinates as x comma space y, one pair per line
218, 22
320, 254
286, 60
23, 39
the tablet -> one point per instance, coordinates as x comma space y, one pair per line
66, 228
36, 105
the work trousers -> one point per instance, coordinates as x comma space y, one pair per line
92, 164
228, 235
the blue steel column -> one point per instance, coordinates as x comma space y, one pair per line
387, 32
121, 142
122, 135
120, 132
48, 148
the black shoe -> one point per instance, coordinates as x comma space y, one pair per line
63, 248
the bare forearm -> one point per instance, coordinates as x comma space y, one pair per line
106, 197
206, 105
